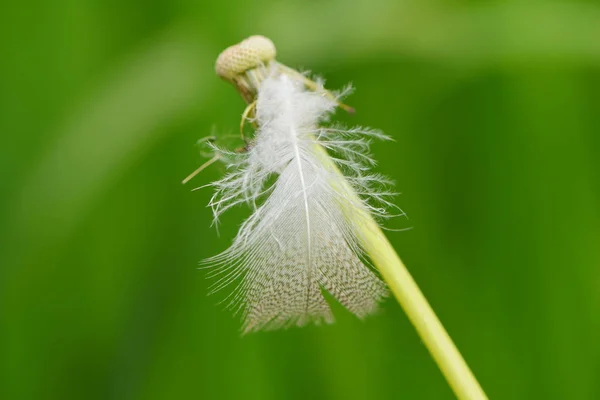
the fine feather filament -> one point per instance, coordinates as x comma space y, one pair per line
299, 239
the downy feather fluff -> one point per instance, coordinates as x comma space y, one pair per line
302, 235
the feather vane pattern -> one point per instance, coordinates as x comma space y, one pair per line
298, 240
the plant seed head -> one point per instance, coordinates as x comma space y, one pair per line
248, 54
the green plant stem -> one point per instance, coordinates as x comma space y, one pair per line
407, 292
430, 329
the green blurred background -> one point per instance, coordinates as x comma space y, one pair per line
495, 111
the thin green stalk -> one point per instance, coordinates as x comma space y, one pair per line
407, 292
430, 329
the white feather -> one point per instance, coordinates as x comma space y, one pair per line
299, 239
